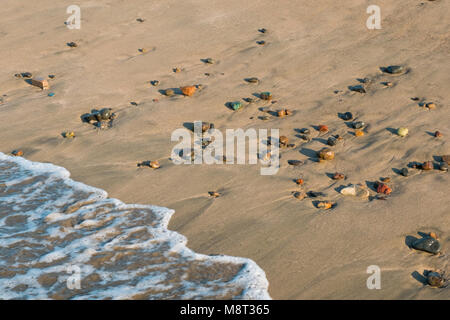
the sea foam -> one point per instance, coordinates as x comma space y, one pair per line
55, 232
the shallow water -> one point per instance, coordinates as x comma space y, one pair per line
61, 239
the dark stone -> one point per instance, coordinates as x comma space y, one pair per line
427, 244
405, 172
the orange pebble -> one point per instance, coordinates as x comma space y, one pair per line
359, 133
383, 188
188, 90
299, 181
323, 128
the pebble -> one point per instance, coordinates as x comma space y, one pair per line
358, 88
236, 105
359, 133
383, 188
72, 44
438, 134
154, 164
69, 134
188, 90
326, 154
427, 244
394, 69
427, 165
443, 166
209, 60
295, 162
252, 80
266, 95
338, 176
281, 113
402, 132
430, 105
300, 195
325, 205
169, 92
214, 194
176, 70
355, 190
358, 124
332, 141
154, 83
263, 30
347, 116
323, 128
299, 181
305, 131
284, 140
405, 172
435, 279
261, 43
51, 94
17, 153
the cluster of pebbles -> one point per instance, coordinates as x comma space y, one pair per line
102, 118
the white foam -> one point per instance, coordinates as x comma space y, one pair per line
99, 225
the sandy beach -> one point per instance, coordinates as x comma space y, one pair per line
313, 52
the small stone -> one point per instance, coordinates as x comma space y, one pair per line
338, 176
72, 44
394, 69
430, 105
437, 134
347, 116
358, 88
142, 50
383, 188
154, 83
405, 172
214, 194
209, 60
435, 279
332, 141
315, 194
295, 162
387, 84
236, 105
252, 80
325, 205
326, 154
188, 90
51, 94
266, 95
402, 132
358, 125
281, 113
261, 42
443, 166
169, 92
284, 140
433, 235
176, 70
299, 181
69, 134
386, 179
323, 128
300, 195
105, 114
427, 165
427, 244
154, 164
349, 191
41, 83
263, 30
17, 153
305, 131
359, 133
140, 20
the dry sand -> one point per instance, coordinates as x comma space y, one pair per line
313, 48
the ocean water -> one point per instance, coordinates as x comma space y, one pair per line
61, 239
